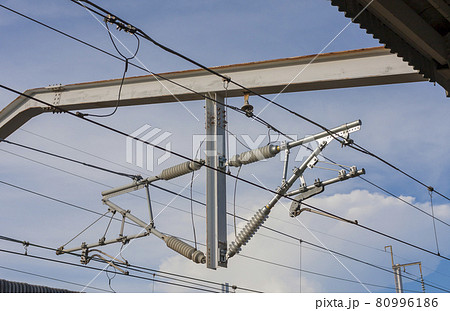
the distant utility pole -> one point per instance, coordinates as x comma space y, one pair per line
397, 268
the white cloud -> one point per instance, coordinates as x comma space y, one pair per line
374, 210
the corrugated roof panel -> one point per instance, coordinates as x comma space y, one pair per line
17, 287
423, 63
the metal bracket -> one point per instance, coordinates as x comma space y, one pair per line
294, 210
305, 192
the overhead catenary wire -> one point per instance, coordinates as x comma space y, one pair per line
161, 188
121, 23
158, 187
99, 269
105, 185
384, 190
112, 55
298, 239
83, 152
151, 271
313, 272
388, 270
215, 169
404, 201
359, 148
70, 159
126, 60
428, 187
312, 244
162, 274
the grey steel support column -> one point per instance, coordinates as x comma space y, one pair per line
216, 231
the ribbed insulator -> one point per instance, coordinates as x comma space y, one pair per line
180, 169
254, 155
185, 249
248, 231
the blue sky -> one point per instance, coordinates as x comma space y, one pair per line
404, 123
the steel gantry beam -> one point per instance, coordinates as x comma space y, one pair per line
364, 67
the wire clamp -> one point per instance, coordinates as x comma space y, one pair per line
25, 246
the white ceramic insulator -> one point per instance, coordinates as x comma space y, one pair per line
180, 170
185, 249
248, 231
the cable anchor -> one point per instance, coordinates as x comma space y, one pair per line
25, 246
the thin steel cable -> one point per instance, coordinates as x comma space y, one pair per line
51, 28
192, 210
263, 226
218, 170
313, 272
404, 201
145, 270
109, 223
302, 241
126, 60
300, 263
234, 202
99, 269
365, 151
201, 203
82, 231
110, 278
345, 167
273, 263
229, 80
374, 230
262, 260
156, 75
430, 192
69, 159
132, 267
191, 185
60, 201
234, 108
